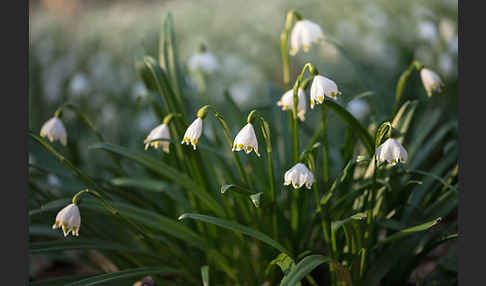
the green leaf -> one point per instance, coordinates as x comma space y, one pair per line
152, 186
153, 220
58, 281
169, 58
163, 169
205, 275
380, 133
304, 267
235, 188
77, 172
283, 261
335, 225
50, 206
238, 228
135, 272
42, 247
360, 131
344, 175
408, 231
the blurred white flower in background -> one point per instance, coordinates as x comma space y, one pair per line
79, 84
447, 29
453, 45
69, 219
430, 80
203, 61
54, 76
53, 129
298, 176
359, 108
303, 35
427, 31
139, 89
145, 121
241, 93
287, 102
446, 64
246, 140
375, 16
329, 52
53, 180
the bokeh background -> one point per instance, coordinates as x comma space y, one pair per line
83, 52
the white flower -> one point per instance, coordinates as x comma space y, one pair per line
304, 34
287, 101
430, 80
246, 140
204, 61
193, 133
321, 87
54, 130
358, 108
392, 151
299, 175
159, 132
69, 219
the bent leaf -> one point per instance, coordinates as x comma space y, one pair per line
304, 267
238, 228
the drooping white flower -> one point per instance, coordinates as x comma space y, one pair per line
203, 61
287, 102
53, 129
246, 140
303, 35
321, 87
299, 175
359, 108
159, 132
391, 151
430, 80
68, 219
193, 133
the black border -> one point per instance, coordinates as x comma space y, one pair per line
14, 118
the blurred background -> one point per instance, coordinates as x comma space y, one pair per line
83, 52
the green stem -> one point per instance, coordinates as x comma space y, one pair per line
402, 81
83, 117
284, 48
226, 130
325, 159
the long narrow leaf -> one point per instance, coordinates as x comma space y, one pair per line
304, 267
238, 228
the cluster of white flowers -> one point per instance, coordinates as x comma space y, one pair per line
303, 35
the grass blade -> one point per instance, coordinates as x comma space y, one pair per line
304, 267
238, 228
